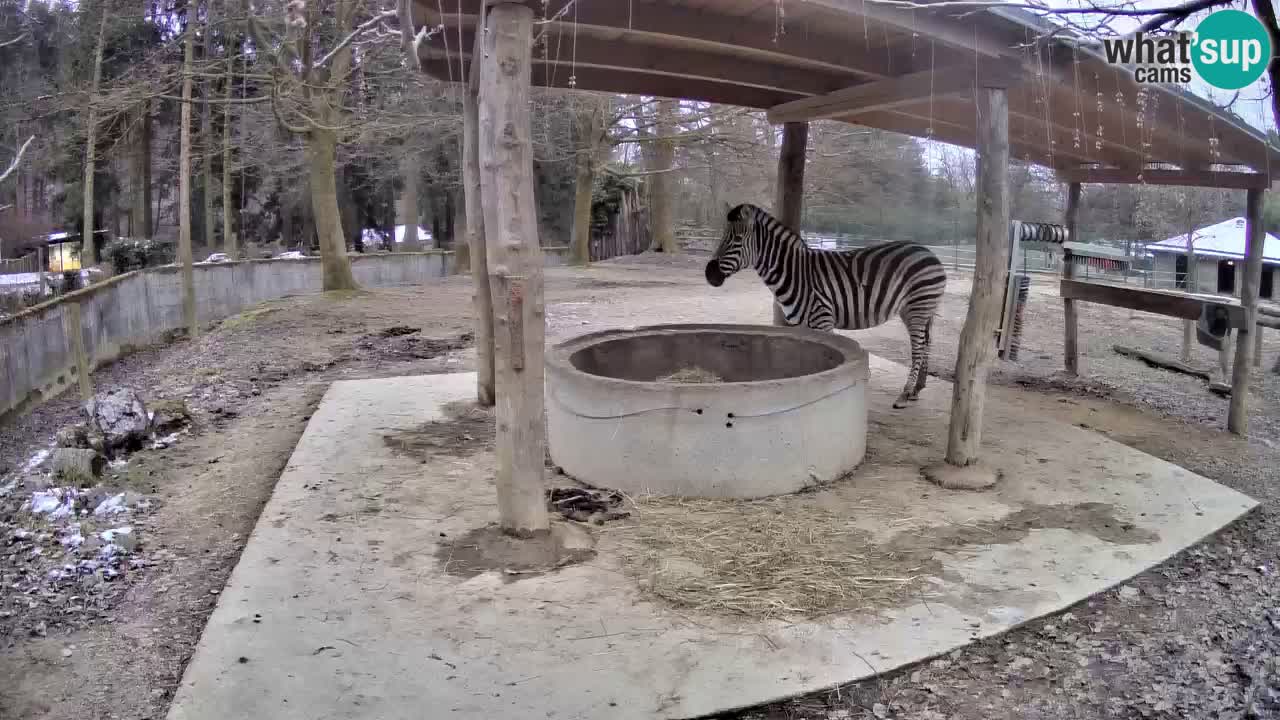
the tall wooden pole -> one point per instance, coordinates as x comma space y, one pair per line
515, 266
477, 261
1238, 412
788, 205
184, 187
977, 339
1070, 351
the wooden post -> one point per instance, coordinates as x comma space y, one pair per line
1070, 351
481, 300
977, 340
515, 266
73, 327
1257, 345
789, 195
1238, 412
40, 268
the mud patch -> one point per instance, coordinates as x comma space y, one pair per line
467, 429
489, 548
1092, 518
404, 343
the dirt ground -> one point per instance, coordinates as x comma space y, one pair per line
1197, 637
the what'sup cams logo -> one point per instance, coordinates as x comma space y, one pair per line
1229, 49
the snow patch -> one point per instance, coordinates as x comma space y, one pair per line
113, 505
57, 503
111, 535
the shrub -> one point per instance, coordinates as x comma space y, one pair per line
126, 254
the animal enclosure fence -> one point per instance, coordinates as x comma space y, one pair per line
29, 263
626, 229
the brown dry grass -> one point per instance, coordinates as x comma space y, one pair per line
691, 376
763, 558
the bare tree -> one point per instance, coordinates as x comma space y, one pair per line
88, 252
308, 89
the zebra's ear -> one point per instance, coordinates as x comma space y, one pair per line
731, 212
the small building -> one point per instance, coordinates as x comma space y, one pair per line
1094, 259
1219, 251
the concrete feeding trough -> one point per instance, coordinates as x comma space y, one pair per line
723, 411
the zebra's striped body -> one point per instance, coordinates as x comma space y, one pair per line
828, 290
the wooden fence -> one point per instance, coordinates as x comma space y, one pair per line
627, 232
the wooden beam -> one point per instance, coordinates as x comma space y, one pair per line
1187, 178
696, 27
1159, 302
515, 267
1238, 410
893, 92
633, 83
950, 130
1070, 350
788, 204
974, 357
964, 34
481, 299
624, 55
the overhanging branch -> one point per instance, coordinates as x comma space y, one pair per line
17, 159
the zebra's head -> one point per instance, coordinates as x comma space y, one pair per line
735, 250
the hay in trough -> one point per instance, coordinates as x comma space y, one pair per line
691, 376
763, 558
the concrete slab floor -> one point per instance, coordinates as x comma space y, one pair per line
339, 608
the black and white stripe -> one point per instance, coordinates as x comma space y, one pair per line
837, 289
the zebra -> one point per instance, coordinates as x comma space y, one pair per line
830, 289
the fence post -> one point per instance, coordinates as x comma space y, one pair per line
40, 268
73, 327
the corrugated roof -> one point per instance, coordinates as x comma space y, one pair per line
1225, 240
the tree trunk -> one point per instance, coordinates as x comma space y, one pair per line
230, 240
476, 239
977, 343
206, 136
788, 204
588, 127
88, 250
1238, 410
184, 189
408, 213
515, 267
321, 155
140, 172
662, 221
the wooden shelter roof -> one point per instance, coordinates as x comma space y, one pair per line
882, 66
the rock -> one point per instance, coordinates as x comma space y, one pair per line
121, 417
78, 467
1129, 593
73, 436
169, 415
36, 483
123, 537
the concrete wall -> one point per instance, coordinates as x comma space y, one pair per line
138, 308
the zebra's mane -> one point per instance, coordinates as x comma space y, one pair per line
789, 236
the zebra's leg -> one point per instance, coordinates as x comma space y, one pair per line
923, 375
919, 333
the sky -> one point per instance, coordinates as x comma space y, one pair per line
1253, 105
